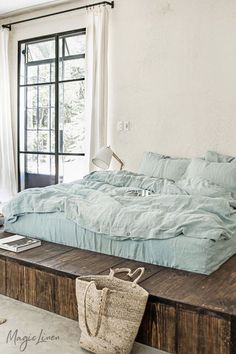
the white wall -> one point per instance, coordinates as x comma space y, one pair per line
172, 74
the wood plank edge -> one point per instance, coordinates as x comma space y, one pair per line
190, 307
233, 335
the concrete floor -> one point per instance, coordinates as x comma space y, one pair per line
29, 321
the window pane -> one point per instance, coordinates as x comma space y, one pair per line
46, 72
72, 117
37, 111
73, 45
52, 118
22, 120
32, 140
31, 163
43, 141
44, 96
31, 96
44, 117
31, 118
22, 64
71, 168
72, 57
36, 170
72, 69
45, 165
40, 51
40, 141
32, 74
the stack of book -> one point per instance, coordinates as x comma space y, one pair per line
1, 219
17, 243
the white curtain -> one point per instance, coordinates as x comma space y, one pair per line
8, 184
96, 78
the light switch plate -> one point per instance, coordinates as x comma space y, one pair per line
127, 125
120, 125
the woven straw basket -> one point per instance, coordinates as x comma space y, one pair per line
110, 311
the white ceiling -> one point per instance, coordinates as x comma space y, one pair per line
12, 7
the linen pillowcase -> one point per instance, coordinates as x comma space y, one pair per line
220, 173
161, 166
149, 160
214, 156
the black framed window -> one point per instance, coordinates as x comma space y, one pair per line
51, 109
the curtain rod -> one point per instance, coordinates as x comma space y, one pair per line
8, 25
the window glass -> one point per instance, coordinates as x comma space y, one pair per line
72, 117
71, 168
52, 109
36, 170
40, 51
74, 45
72, 57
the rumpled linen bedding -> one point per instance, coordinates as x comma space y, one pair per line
100, 203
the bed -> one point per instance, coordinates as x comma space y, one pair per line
200, 256
187, 222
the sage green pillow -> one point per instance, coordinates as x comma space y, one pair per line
161, 166
223, 174
214, 156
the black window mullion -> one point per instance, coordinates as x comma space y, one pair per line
37, 115
36, 84
49, 114
52, 154
56, 107
47, 61
37, 119
24, 88
61, 130
26, 109
52, 82
63, 48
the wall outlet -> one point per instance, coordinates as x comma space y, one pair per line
120, 125
127, 125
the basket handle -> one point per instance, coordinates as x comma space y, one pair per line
100, 312
129, 273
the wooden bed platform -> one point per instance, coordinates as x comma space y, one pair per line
187, 313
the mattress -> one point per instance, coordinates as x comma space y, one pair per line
192, 254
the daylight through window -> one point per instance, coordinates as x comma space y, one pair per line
52, 109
